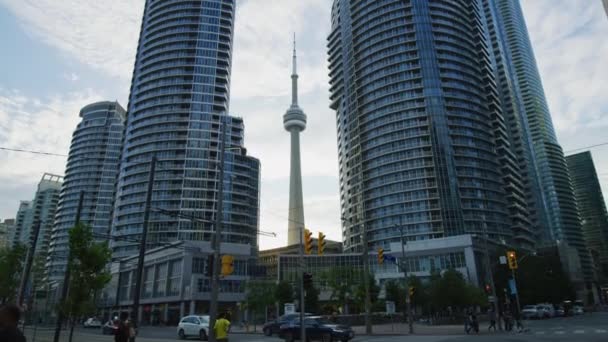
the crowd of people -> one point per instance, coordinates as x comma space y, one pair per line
510, 320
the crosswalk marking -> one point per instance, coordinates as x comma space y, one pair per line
600, 331
560, 332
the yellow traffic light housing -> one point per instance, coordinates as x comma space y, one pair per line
512, 260
227, 265
321, 244
307, 241
412, 291
380, 256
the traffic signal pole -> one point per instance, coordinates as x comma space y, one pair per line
489, 271
408, 298
215, 279
302, 269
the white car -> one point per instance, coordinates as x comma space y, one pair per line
92, 323
193, 325
531, 312
546, 310
578, 310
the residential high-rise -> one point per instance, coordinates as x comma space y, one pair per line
561, 220
295, 122
6, 230
592, 207
23, 219
92, 169
178, 103
422, 140
605, 5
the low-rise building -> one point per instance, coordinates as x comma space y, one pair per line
177, 282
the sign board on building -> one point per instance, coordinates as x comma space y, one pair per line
290, 308
390, 308
503, 260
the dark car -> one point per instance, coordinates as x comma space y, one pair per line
109, 328
317, 329
273, 327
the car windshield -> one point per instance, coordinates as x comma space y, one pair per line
204, 319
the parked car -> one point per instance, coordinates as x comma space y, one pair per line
317, 329
193, 325
92, 323
546, 310
560, 312
273, 327
531, 312
109, 328
578, 310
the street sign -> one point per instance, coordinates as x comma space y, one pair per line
503, 260
512, 287
390, 308
491, 299
290, 308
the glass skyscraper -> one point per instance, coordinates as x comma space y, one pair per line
560, 220
178, 103
592, 207
422, 139
92, 169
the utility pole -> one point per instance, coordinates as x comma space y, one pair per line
215, 281
516, 292
142, 243
302, 297
368, 300
489, 270
66, 276
29, 260
408, 298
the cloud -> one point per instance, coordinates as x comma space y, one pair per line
40, 124
72, 77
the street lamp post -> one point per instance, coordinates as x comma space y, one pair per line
489, 270
408, 299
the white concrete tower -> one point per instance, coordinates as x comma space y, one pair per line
295, 122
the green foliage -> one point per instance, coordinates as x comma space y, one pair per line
88, 260
337, 279
374, 291
283, 293
534, 275
311, 300
260, 295
11, 265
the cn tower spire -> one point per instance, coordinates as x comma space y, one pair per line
294, 121
294, 75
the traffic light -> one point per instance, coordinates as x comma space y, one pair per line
488, 289
412, 291
227, 265
512, 260
380, 256
321, 244
307, 241
307, 279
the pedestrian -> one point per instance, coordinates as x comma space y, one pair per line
9, 321
492, 317
519, 325
221, 328
466, 322
508, 320
121, 334
132, 331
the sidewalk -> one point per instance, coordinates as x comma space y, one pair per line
423, 329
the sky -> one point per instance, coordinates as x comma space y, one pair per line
60, 55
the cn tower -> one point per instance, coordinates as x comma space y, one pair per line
295, 122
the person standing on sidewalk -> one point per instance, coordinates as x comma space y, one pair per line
492, 316
221, 328
9, 321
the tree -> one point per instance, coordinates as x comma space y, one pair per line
451, 290
374, 291
395, 292
421, 296
87, 262
260, 295
283, 293
342, 290
11, 265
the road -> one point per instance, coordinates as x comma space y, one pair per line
587, 328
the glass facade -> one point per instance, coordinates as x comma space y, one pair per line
592, 207
92, 168
178, 103
561, 220
422, 139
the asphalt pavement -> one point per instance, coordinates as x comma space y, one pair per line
585, 328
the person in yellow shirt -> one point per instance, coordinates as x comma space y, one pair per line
222, 325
